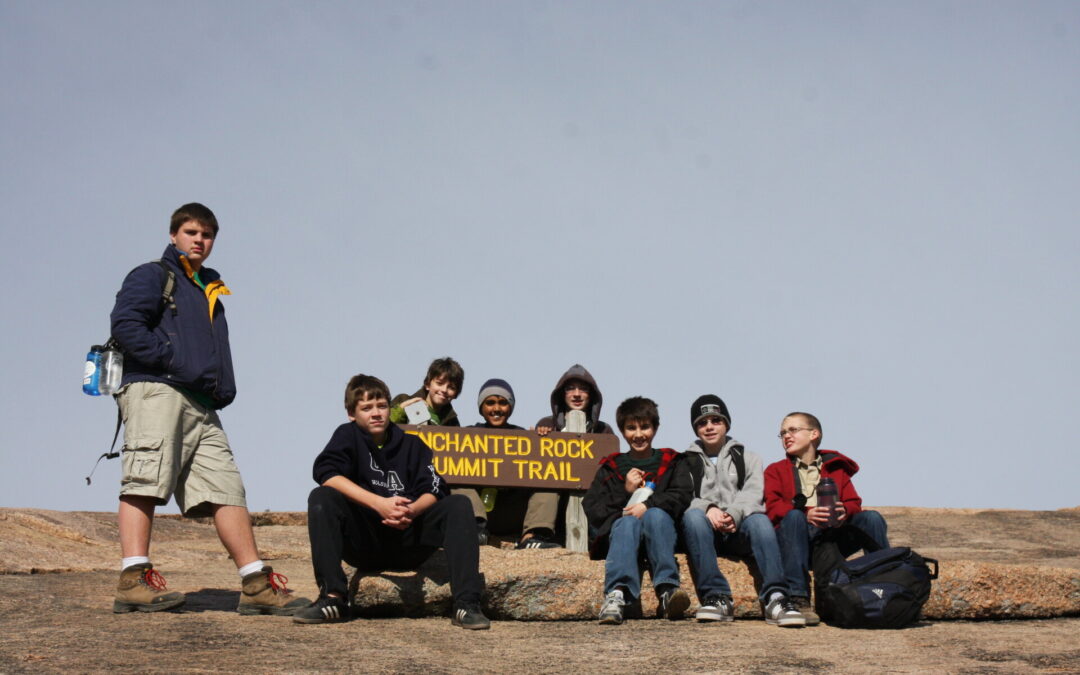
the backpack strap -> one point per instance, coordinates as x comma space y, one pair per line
111, 454
168, 287
740, 466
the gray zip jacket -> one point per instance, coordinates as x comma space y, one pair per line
717, 485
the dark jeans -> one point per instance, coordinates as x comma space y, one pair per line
342, 530
796, 537
754, 536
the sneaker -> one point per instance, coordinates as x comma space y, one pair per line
264, 592
539, 539
673, 604
481, 533
807, 610
716, 608
142, 589
611, 613
470, 617
327, 609
781, 611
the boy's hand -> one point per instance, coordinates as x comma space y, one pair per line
819, 515
637, 510
720, 519
393, 510
543, 431
635, 478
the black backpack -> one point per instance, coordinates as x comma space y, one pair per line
881, 589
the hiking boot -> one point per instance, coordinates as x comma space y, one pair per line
142, 589
716, 608
469, 616
264, 592
673, 604
539, 539
611, 613
327, 609
781, 611
807, 610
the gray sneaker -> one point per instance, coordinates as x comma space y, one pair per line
781, 611
716, 608
611, 613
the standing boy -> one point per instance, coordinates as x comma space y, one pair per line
575, 408
727, 516
178, 373
381, 505
792, 505
619, 532
442, 384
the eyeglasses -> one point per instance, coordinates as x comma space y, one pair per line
792, 431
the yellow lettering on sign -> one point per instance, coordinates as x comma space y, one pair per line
527, 442
545, 446
586, 449
494, 464
520, 464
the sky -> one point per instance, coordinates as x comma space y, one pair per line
865, 210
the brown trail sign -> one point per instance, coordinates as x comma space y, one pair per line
490, 457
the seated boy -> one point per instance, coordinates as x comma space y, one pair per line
381, 505
618, 532
792, 506
442, 384
540, 507
727, 516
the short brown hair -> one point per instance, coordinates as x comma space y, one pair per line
637, 408
448, 368
814, 423
193, 211
362, 387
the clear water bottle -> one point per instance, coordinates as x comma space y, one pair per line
826, 496
642, 493
487, 495
92, 371
111, 371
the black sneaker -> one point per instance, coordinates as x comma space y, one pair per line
327, 609
469, 616
673, 604
539, 539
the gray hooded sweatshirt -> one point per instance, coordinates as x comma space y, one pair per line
717, 485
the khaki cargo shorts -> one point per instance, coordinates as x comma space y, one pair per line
175, 446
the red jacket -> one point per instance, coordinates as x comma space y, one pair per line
780, 484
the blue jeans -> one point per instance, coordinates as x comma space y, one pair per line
621, 568
797, 537
755, 535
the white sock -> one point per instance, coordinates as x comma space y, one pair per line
774, 596
133, 560
251, 568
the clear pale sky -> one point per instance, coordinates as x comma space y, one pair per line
866, 210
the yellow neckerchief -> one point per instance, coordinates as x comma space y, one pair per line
212, 289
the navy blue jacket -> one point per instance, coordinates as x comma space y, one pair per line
187, 350
403, 466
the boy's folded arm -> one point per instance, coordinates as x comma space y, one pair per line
353, 492
423, 503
